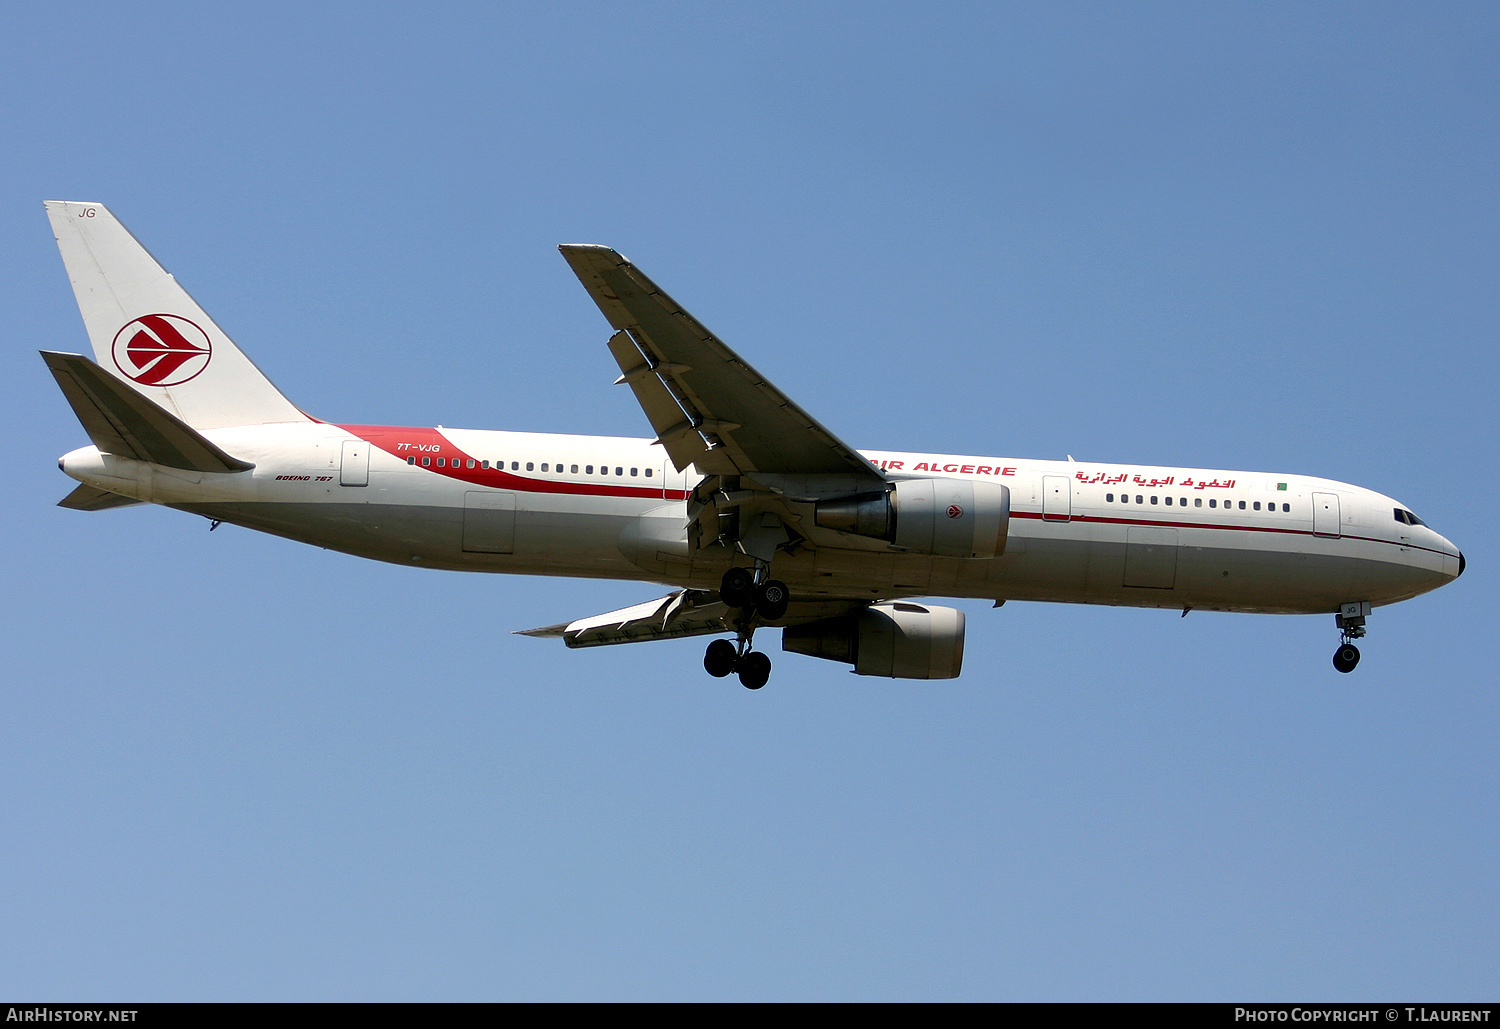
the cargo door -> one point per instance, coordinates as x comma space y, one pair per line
489, 522
1150, 557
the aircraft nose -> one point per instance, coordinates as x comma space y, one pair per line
1460, 564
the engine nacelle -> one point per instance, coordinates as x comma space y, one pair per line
944, 517
900, 640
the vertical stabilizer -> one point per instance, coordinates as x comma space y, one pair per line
146, 330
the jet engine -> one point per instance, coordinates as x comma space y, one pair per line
899, 640
944, 517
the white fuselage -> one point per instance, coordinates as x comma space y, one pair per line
611, 507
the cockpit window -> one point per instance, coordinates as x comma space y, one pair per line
1403, 515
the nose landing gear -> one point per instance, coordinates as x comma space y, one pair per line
1351, 623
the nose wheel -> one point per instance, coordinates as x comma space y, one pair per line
1346, 657
1351, 623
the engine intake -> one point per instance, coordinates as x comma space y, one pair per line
898, 640
944, 517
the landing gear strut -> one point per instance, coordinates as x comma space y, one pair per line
1351, 623
752, 594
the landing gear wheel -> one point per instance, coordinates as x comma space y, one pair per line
720, 658
737, 588
755, 670
1346, 657
771, 599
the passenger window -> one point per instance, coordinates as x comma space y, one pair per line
442, 462
1287, 508
411, 460
1182, 501
1153, 500
485, 463
530, 467
1213, 503
1169, 501
1242, 505
589, 469
515, 466
1197, 501
633, 473
1257, 505
1139, 499
469, 463
1109, 498
648, 473
574, 470
619, 471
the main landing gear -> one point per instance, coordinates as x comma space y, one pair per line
724, 657
754, 596
744, 589
1351, 623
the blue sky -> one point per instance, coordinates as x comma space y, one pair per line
1256, 236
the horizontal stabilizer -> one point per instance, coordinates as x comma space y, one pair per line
88, 498
121, 421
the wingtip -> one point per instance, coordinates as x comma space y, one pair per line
545, 632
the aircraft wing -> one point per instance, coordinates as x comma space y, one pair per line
708, 406
684, 613
679, 614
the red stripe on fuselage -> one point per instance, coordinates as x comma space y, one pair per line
405, 442
422, 442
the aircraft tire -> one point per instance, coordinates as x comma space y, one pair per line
719, 659
771, 599
755, 670
737, 588
1346, 657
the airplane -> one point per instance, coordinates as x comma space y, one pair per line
749, 510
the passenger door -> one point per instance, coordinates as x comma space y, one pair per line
1326, 515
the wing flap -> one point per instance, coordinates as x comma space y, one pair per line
674, 430
121, 421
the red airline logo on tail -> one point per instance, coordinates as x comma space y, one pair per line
162, 350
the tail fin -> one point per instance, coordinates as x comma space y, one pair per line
147, 331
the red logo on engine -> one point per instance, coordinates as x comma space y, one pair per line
954, 511
161, 350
